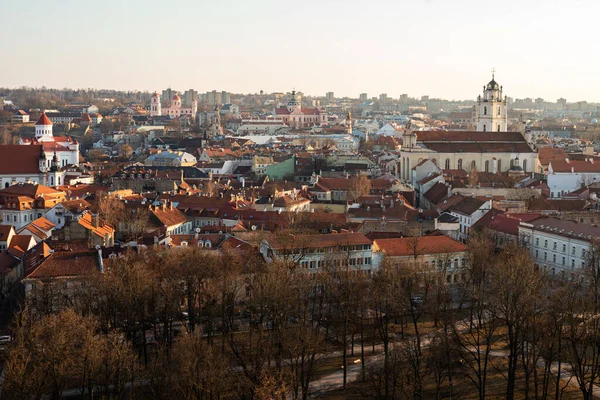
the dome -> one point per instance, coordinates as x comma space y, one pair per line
176, 97
493, 85
155, 94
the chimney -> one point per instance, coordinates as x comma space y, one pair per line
95, 220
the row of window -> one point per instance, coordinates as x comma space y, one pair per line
564, 247
564, 259
353, 262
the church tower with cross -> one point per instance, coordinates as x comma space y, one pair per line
491, 111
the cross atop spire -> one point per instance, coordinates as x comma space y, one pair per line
493, 73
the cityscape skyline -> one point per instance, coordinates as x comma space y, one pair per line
425, 49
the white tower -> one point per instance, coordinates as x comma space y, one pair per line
155, 109
43, 129
491, 112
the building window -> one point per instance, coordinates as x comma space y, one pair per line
487, 166
545, 256
498, 114
473, 165
460, 163
447, 164
564, 261
573, 263
484, 128
582, 253
554, 258
499, 165
537, 242
573, 250
546, 243
554, 246
536, 254
564, 248
484, 111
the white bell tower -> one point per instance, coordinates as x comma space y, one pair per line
491, 112
155, 109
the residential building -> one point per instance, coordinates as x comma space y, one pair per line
436, 253
469, 210
316, 252
23, 203
559, 246
170, 158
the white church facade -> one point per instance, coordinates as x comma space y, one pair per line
174, 108
491, 148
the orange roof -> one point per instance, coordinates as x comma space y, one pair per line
426, 245
44, 120
102, 229
168, 216
43, 224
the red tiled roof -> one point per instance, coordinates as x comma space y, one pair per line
17, 159
426, 245
67, 264
43, 120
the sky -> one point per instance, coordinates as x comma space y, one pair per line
440, 48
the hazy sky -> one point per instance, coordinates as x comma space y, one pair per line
442, 48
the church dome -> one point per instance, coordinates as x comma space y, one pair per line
493, 85
176, 97
155, 94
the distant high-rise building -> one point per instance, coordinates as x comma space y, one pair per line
213, 98
562, 102
425, 98
404, 98
491, 112
383, 98
190, 96
539, 100
167, 94
225, 97
330, 97
363, 97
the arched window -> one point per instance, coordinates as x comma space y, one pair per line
6, 185
487, 166
447, 164
498, 127
459, 163
485, 128
484, 110
15, 218
524, 165
473, 165
499, 166
498, 110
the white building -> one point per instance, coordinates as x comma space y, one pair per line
491, 112
565, 176
262, 127
558, 246
468, 211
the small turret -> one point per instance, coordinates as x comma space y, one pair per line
43, 161
55, 163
